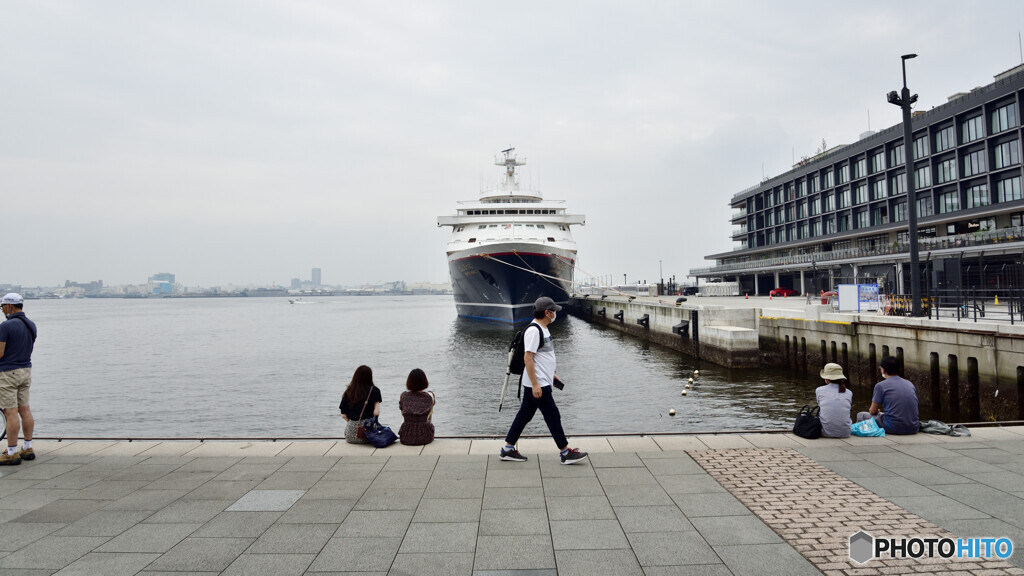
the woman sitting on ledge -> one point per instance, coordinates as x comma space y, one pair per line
834, 402
417, 408
360, 401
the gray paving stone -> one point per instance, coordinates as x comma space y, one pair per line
671, 466
222, 490
187, 511
40, 471
356, 554
858, 469
187, 480
432, 564
580, 508
317, 512
534, 572
52, 552
146, 500
931, 475
689, 484
266, 501
71, 481
309, 464
938, 509
597, 563
399, 463
62, 511
615, 460
401, 479
892, 459
145, 537
625, 477
108, 490
519, 522
694, 505
15, 536
516, 478
448, 510
691, 570
573, 487
460, 470
210, 464
553, 468
269, 565
288, 480
514, 553
637, 495
107, 564
148, 472
390, 499
293, 538
1006, 481
652, 519
671, 549
247, 472
765, 560
455, 488
924, 450
373, 523
587, 535
346, 472
335, 490
988, 454
199, 554
33, 498
963, 464
894, 486
238, 524
987, 499
105, 523
828, 454
426, 537
730, 530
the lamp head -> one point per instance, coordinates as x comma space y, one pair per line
894, 98
906, 57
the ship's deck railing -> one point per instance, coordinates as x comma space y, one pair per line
1003, 235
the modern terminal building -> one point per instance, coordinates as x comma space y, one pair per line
841, 216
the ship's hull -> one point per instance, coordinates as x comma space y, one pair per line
501, 283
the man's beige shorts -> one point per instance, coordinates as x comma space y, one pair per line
14, 386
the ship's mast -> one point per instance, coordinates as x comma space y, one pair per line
511, 183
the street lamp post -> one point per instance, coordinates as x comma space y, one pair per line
904, 101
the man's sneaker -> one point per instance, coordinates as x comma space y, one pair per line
27, 454
573, 456
512, 455
9, 459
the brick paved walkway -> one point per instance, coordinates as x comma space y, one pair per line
815, 510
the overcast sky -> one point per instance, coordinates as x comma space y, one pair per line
248, 142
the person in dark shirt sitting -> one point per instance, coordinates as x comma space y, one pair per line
894, 401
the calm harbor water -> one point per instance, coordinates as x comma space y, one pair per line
263, 367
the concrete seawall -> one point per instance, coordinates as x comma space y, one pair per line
974, 371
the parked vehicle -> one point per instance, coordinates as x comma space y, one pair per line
783, 292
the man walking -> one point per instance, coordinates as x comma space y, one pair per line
17, 338
539, 359
894, 401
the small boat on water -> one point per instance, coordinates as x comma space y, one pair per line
508, 248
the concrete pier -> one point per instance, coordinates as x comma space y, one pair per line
742, 504
973, 370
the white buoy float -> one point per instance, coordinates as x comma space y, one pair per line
672, 412
684, 392
696, 372
687, 386
690, 380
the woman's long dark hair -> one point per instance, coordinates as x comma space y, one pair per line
841, 383
359, 387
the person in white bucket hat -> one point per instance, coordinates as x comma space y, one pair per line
17, 339
834, 402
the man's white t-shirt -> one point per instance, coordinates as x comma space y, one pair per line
543, 358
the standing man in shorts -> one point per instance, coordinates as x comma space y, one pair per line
17, 338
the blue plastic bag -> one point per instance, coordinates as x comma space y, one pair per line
867, 427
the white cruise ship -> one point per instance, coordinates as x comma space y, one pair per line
509, 248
